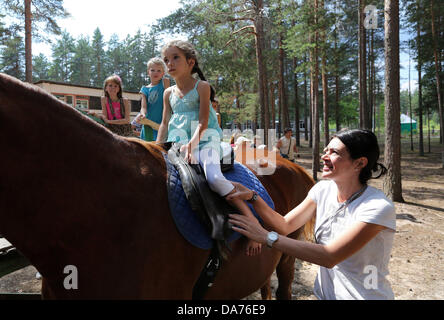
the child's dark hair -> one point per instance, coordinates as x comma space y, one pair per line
190, 53
363, 143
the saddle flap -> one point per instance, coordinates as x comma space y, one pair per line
211, 208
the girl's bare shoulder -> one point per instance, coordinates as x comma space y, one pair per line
203, 85
168, 91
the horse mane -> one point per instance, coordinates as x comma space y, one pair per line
151, 147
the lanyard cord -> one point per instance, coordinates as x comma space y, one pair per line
342, 207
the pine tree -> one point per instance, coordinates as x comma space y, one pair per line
392, 151
45, 11
98, 58
12, 57
82, 62
41, 66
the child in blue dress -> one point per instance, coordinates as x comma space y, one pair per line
152, 97
189, 119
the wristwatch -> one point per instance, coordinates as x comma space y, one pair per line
254, 197
272, 237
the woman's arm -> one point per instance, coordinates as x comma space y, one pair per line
285, 225
166, 115
329, 255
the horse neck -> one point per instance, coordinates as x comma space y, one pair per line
67, 184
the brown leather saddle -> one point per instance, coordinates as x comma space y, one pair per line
211, 208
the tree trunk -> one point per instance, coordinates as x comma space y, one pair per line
28, 41
306, 109
273, 106
324, 79
296, 103
282, 87
418, 43
315, 107
362, 70
438, 81
392, 152
338, 123
260, 48
410, 108
370, 79
428, 129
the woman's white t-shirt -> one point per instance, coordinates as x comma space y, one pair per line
362, 275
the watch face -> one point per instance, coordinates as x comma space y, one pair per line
273, 236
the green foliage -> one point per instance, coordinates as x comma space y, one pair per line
349, 106
44, 14
223, 34
41, 66
62, 54
12, 57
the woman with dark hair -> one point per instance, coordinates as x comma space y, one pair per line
355, 223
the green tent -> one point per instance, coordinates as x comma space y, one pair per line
405, 123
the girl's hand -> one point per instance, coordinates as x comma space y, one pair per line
186, 148
139, 117
240, 192
249, 227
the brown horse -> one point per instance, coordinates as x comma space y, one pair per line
74, 194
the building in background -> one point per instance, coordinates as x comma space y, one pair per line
85, 97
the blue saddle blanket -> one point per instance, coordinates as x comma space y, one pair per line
187, 221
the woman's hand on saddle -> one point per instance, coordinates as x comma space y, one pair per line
249, 227
240, 192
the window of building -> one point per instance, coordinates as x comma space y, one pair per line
60, 97
81, 103
65, 98
69, 100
